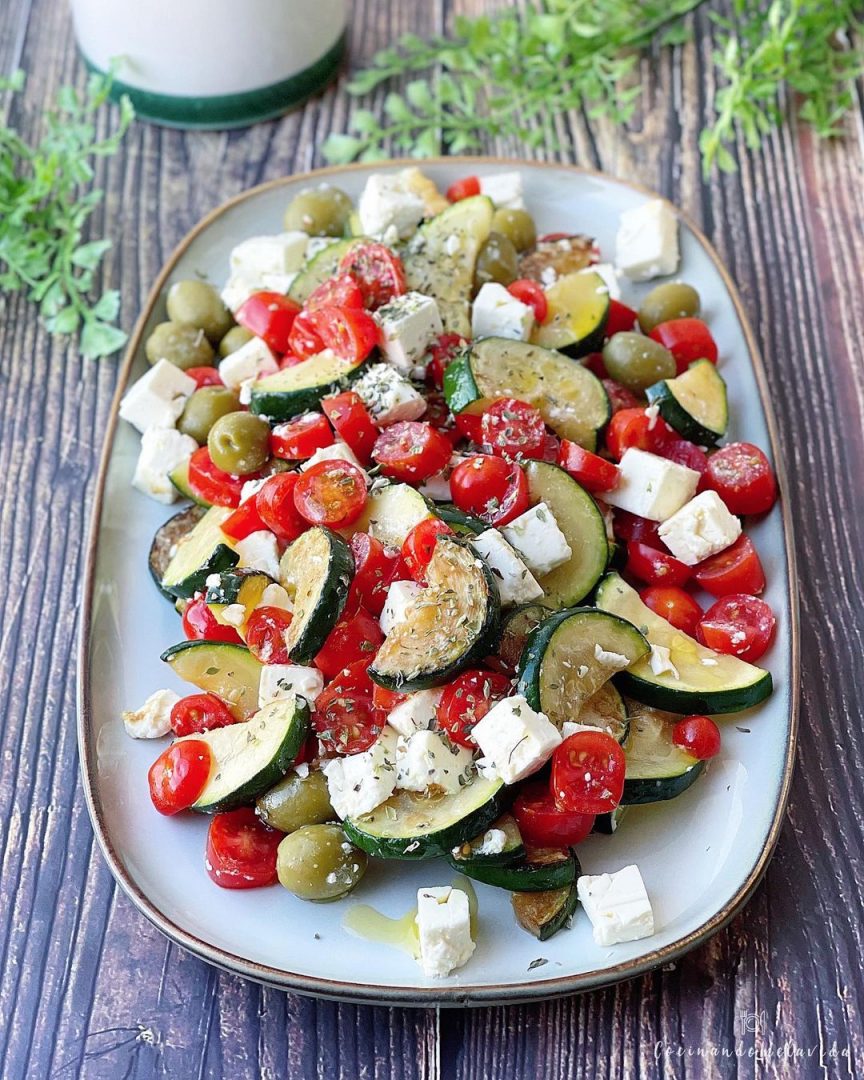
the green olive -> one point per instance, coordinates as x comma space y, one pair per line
199, 304
674, 300
180, 344
321, 211
497, 260
636, 361
518, 226
239, 443
204, 408
296, 801
318, 862
235, 339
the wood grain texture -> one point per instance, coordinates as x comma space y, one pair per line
89, 989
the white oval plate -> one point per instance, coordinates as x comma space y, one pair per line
701, 855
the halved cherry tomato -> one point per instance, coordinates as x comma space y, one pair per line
305, 340
244, 520
466, 701
511, 427
354, 637
212, 484
204, 376
330, 493
299, 438
542, 824
698, 736
620, 318
687, 339
270, 316
241, 850
634, 428
351, 333
419, 546
620, 397
347, 724
592, 471
353, 423
266, 628
743, 478
341, 291
655, 567
442, 352
275, 503
739, 625
470, 426
374, 571
675, 605
738, 569
439, 416
386, 700
588, 773
627, 526
178, 776
490, 488
352, 681
378, 272
531, 293
411, 451
200, 712
199, 624
684, 453
463, 188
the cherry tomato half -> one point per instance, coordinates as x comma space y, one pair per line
178, 776
738, 569
204, 376
200, 712
697, 736
353, 423
351, 333
588, 773
467, 700
743, 478
304, 340
655, 567
356, 636
470, 426
212, 484
275, 504
635, 428
627, 526
374, 571
442, 351
510, 428
411, 451
301, 437
347, 724
351, 681
620, 397
531, 293
378, 272
463, 188
687, 339
491, 488
542, 824
270, 316
199, 624
675, 605
241, 850
330, 493
593, 472
684, 453
266, 628
418, 546
340, 291
739, 625
620, 318
244, 520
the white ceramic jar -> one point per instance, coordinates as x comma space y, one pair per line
213, 63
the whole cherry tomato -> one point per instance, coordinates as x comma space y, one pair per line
179, 775
466, 701
698, 736
675, 605
588, 773
200, 712
542, 824
491, 488
655, 567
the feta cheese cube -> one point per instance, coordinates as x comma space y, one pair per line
444, 929
615, 660
280, 283
647, 242
515, 738
417, 712
652, 487
336, 451
702, 527
388, 396
280, 681
617, 905
387, 203
360, 782
610, 279
162, 449
153, 719
234, 615
409, 324
516, 583
497, 313
538, 539
237, 291
259, 255
400, 596
661, 662
158, 398
251, 361
504, 189
412, 179
427, 759
259, 551
437, 487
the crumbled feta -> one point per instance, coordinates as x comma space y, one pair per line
259, 551
275, 595
702, 527
661, 662
387, 203
515, 738
516, 583
162, 450
400, 596
153, 719
158, 397
252, 487
615, 660
486, 769
504, 189
493, 843
569, 727
251, 361
647, 242
610, 279
652, 487
497, 313
617, 905
360, 782
336, 451
280, 681
260, 255
408, 324
444, 929
538, 539
234, 615
388, 395
417, 712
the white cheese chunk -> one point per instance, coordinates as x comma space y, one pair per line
360, 782
493, 843
617, 905
408, 325
538, 539
702, 527
275, 595
260, 255
417, 712
516, 583
158, 398
616, 661
569, 728
234, 615
252, 487
279, 283
259, 551
652, 487
497, 313
280, 681
400, 596
444, 929
647, 242
237, 291
504, 189
515, 738
437, 487
606, 271
660, 661
153, 719
386, 203
251, 361
427, 759
336, 451
162, 449
388, 395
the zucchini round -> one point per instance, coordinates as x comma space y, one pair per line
316, 570
299, 389
390, 514
179, 477
244, 586
516, 625
540, 870
472, 853
166, 539
657, 769
544, 914
319, 269
227, 670
578, 310
204, 551
606, 710
460, 522
694, 403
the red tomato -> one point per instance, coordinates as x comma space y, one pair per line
275, 503
411, 451
594, 362
592, 471
698, 736
347, 724
467, 700
351, 333
542, 824
199, 624
634, 428
330, 493
305, 340
439, 416
674, 605
341, 291
739, 625
300, 438
241, 850
200, 712
270, 316
655, 567
629, 526
378, 272
266, 628
619, 396
353, 423
738, 569
687, 339
244, 520
351, 681
204, 376
354, 637
386, 700
212, 484
178, 776
743, 478
463, 189
470, 426
588, 773
419, 546
374, 570
511, 427
685, 453
551, 449
490, 488
442, 352
532, 294
620, 318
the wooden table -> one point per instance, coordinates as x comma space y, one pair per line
89, 988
